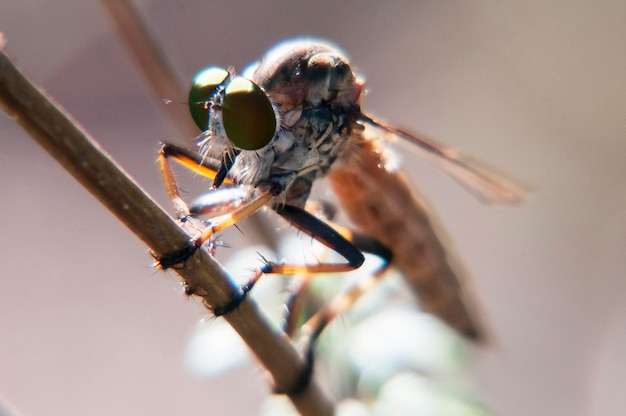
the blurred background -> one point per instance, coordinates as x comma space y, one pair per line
535, 88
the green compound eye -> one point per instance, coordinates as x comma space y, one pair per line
205, 83
248, 116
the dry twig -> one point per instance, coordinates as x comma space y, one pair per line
154, 64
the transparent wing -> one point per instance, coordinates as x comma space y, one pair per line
484, 186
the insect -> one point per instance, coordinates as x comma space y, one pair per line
294, 117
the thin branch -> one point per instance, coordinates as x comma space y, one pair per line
80, 155
154, 64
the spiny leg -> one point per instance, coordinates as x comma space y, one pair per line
210, 168
217, 171
215, 226
299, 287
191, 160
311, 330
335, 240
294, 304
344, 300
317, 229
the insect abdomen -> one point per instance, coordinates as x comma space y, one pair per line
382, 205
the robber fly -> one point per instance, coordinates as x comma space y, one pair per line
294, 117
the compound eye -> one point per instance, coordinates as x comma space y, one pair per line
205, 83
248, 115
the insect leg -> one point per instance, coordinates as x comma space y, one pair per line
325, 234
209, 168
347, 244
317, 229
295, 301
310, 331
216, 225
192, 161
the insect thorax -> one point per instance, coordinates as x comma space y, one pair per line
321, 137
317, 96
